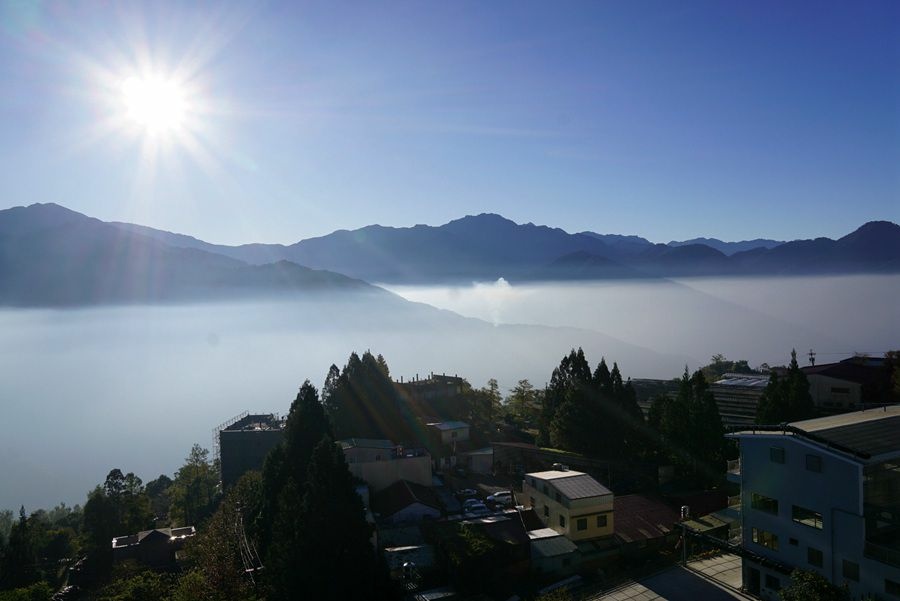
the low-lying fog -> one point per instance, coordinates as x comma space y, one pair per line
86, 390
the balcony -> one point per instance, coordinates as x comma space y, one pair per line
886, 555
733, 473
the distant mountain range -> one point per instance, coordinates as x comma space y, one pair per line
50, 255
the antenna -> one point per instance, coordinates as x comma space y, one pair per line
812, 357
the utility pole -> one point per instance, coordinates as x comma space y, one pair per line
812, 357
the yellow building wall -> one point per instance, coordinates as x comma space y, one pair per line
581, 508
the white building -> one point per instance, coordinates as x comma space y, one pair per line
822, 495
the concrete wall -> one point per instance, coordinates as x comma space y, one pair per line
831, 393
381, 474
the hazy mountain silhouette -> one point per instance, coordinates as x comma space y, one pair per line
51, 256
730, 248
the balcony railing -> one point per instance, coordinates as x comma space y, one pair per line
883, 554
734, 467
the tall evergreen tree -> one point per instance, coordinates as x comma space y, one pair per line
318, 523
786, 398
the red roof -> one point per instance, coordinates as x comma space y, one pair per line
636, 517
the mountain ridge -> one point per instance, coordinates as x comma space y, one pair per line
128, 262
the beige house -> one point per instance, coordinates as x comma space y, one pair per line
571, 503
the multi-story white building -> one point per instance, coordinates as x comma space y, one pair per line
571, 503
822, 495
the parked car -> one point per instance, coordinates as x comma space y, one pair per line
477, 510
466, 493
503, 498
470, 503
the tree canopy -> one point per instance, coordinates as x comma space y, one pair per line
786, 398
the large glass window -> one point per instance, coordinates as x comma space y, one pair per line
765, 538
764, 503
807, 517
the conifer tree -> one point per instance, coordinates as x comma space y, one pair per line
787, 398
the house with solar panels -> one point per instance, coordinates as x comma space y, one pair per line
822, 495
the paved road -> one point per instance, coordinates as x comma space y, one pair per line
680, 584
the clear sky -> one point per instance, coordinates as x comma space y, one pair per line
284, 120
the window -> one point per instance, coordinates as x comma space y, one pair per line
533, 484
453, 435
814, 463
792, 541
851, 570
558, 498
814, 557
531, 502
891, 587
546, 490
807, 517
765, 539
773, 583
581, 524
562, 521
377, 457
764, 503
776, 454
546, 511
601, 521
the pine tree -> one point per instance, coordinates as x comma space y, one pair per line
318, 527
786, 399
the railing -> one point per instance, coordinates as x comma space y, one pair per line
734, 466
885, 555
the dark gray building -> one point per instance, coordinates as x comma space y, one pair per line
245, 443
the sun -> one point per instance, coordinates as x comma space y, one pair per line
154, 104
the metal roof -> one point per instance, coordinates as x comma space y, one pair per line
552, 546
866, 434
449, 425
574, 485
743, 380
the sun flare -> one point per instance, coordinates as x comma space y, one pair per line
154, 104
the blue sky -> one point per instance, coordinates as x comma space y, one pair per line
663, 119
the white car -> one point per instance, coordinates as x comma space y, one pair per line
503, 498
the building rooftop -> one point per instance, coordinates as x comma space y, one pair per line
261, 422
167, 533
366, 443
574, 485
743, 380
551, 546
867, 433
642, 518
402, 494
452, 425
